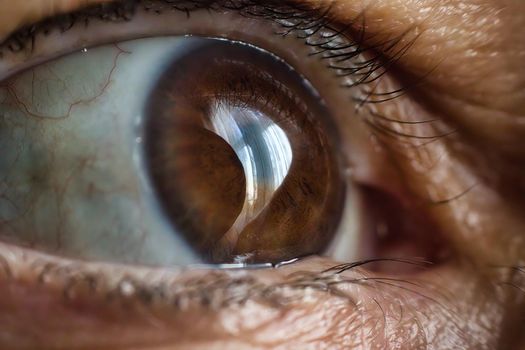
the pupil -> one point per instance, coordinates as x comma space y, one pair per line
238, 150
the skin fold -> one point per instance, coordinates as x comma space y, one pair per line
470, 184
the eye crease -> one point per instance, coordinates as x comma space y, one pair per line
246, 174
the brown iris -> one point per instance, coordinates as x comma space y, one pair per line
242, 156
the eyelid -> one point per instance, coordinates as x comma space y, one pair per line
32, 11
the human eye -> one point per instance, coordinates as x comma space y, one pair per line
166, 161
190, 143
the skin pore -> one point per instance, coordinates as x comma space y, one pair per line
475, 51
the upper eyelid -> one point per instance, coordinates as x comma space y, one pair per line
305, 22
24, 36
344, 43
342, 50
28, 12
87, 8
114, 11
340, 46
356, 20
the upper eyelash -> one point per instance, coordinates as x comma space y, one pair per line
327, 38
329, 41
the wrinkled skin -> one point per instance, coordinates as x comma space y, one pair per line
474, 300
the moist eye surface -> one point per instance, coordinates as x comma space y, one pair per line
168, 151
240, 157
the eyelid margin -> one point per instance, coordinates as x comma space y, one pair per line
32, 11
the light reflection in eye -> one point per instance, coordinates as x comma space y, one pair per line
249, 131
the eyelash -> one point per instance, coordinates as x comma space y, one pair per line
345, 54
315, 26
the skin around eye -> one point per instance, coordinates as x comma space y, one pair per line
34, 10
475, 301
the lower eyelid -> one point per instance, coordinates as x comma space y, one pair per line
156, 306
